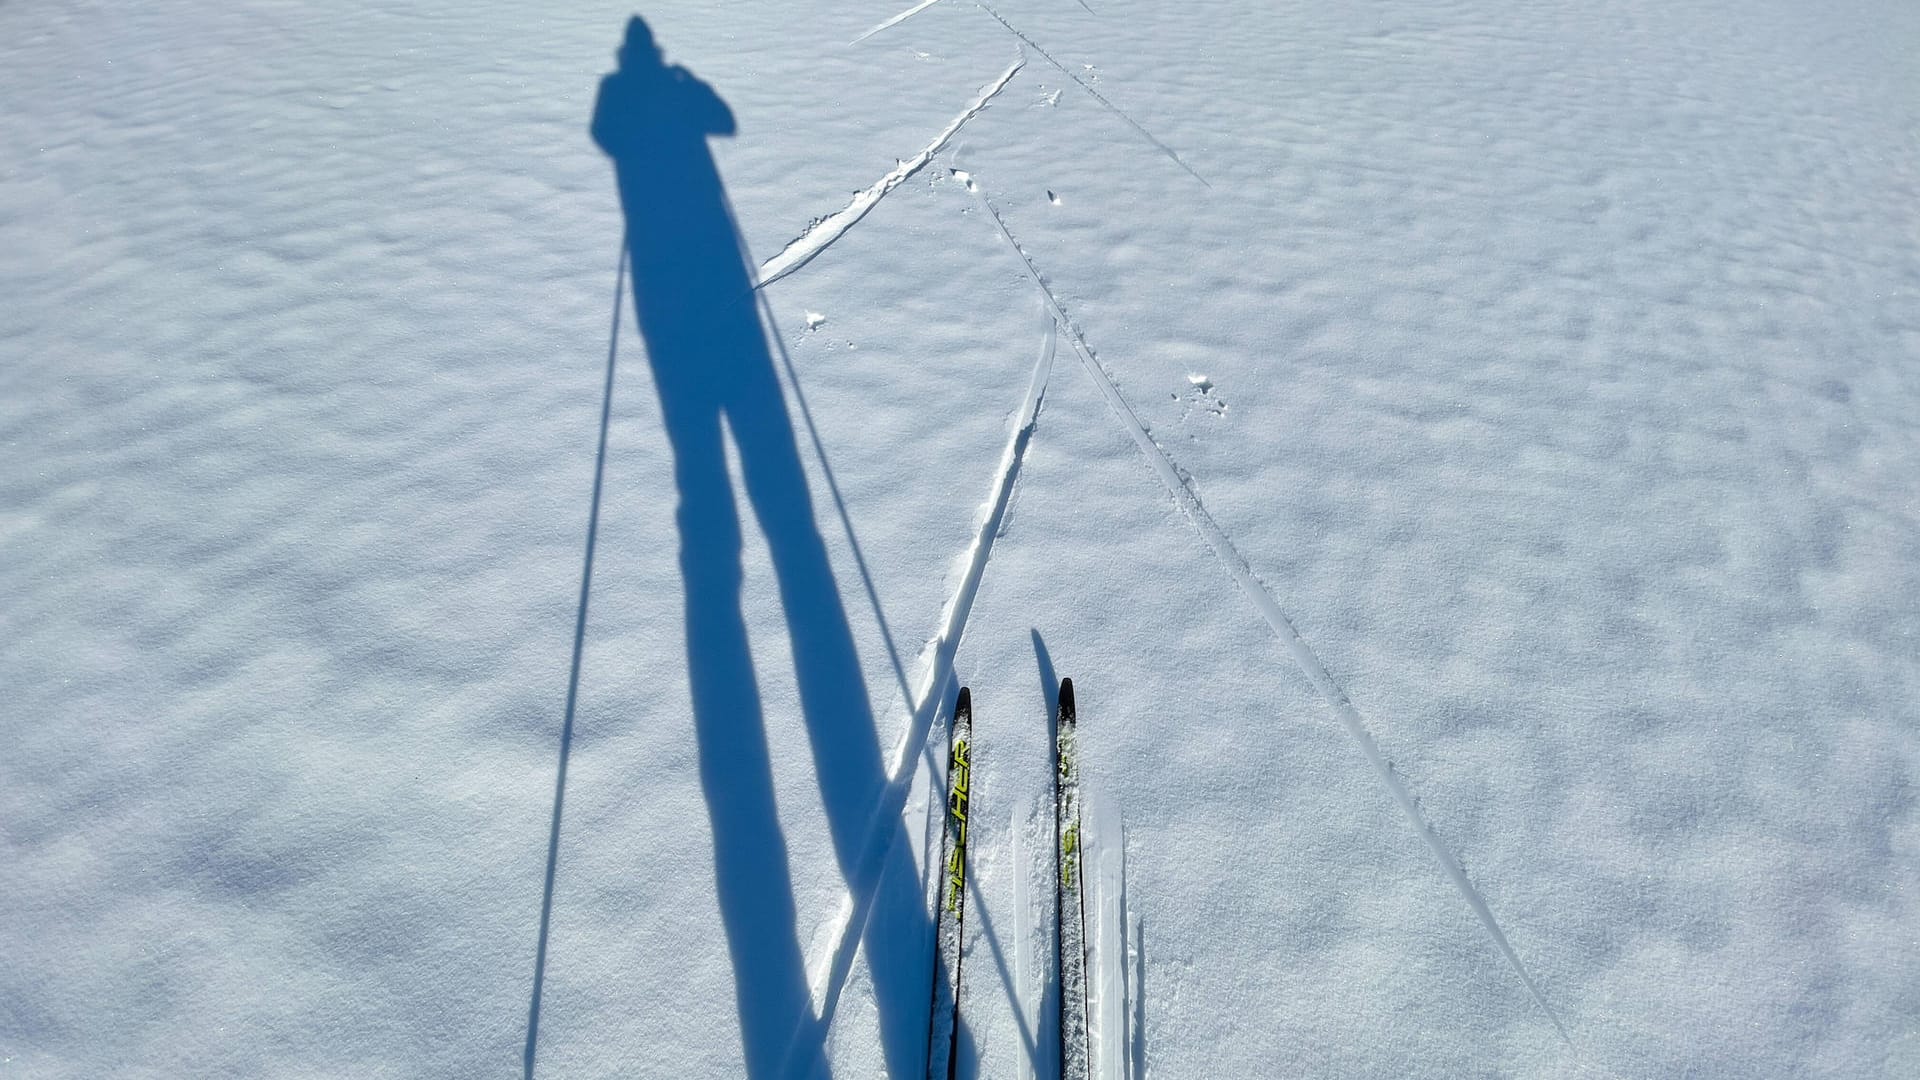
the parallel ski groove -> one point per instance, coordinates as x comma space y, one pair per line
1263, 601
831, 969
1106, 846
802, 249
1023, 931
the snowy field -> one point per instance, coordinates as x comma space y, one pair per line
1455, 448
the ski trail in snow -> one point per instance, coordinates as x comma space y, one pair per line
1137, 994
772, 329
1045, 55
859, 555
1263, 601
1105, 852
922, 6
895, 21
1095, 94
840, 503
824, 232
830, 972
1023, 970
1009, 979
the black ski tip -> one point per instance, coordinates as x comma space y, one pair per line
964, 706
1066, 696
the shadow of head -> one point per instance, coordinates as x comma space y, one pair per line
638, 50
648, 106
654, 119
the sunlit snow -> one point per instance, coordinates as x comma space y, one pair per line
490, 530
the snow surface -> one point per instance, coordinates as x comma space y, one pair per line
1466, 495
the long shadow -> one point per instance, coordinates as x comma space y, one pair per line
695, 307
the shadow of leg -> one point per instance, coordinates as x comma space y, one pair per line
752, 882
839, 714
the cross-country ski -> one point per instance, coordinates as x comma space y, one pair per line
951, 895
1069, 894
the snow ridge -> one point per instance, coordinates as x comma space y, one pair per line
1025, 970
1106, 860
804, 247
1263, 601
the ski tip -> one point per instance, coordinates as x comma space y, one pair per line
1066, 696
965, 704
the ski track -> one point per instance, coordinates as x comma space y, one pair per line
772, 329
1105, 854
824, 232
1048, 57
895, 21
1095, 94
1009, 979
1023, 969
1303, 655
1137, 994
831, 970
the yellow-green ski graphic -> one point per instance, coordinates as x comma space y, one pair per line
943, 1029
959, 770
1070, 907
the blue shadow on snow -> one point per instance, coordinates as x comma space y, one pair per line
693, 297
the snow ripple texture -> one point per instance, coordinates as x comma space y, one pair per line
1552, 367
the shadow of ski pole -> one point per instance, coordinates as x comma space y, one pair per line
1007, 983
573, 673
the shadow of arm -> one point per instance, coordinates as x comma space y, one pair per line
605, 128
704, 107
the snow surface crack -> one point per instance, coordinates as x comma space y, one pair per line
824, 232
1303, 655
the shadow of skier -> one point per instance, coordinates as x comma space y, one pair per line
694, 301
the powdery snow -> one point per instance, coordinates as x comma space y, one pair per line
1462, 453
